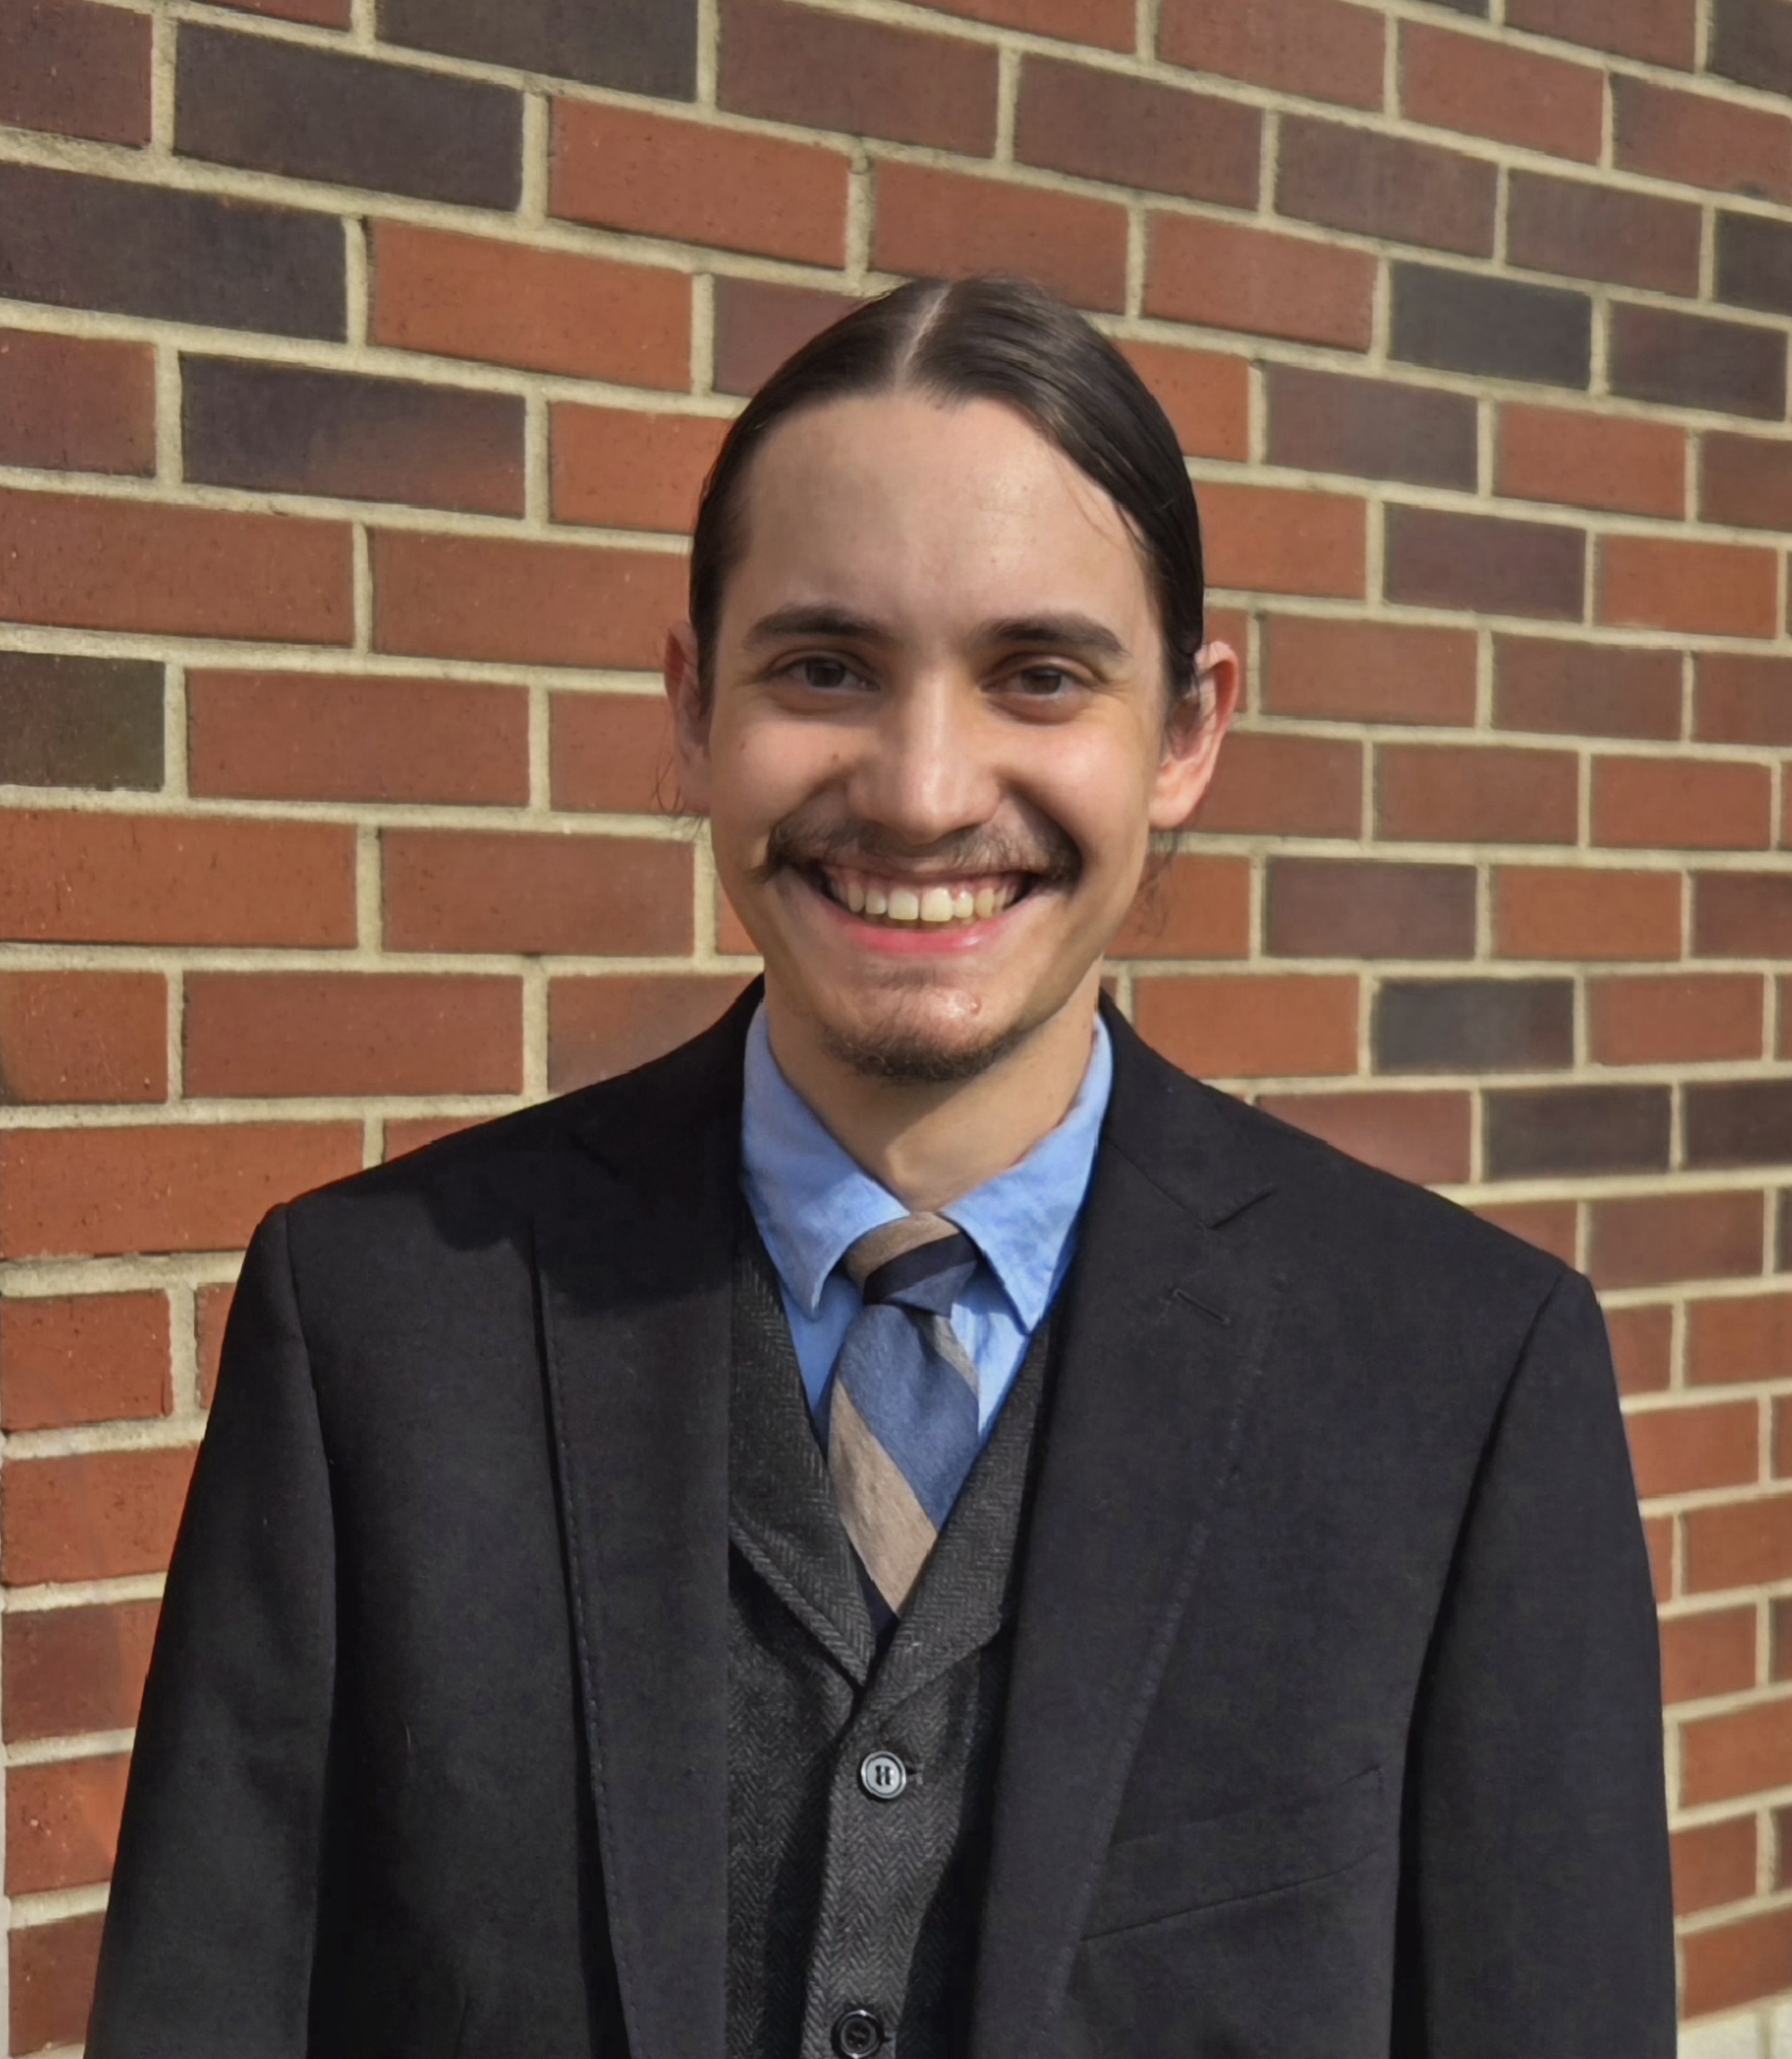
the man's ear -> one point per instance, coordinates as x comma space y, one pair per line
1196, 728
684, 691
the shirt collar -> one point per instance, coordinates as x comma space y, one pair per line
812, 1199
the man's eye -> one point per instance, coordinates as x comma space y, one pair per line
1043, 682
826, 675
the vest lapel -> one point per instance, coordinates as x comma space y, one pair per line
1163, 1329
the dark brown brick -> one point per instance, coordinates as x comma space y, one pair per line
80, 242
53, 1966
1742, 914
1739, 1122
1739, 697
867, 78
1462, 321
1339, 908
1562, 689
639, 45
1441, 794
1474, 1025
1747, 480
79, 722
275, 106
1386, 186
77, 404
1531, 1132
1480, 563
1131, 132
1371, 429
1593, 232
757, 326
1754, 262
1662, 31
290, 430
1751, 42
1688, 361
1699, 140
1321, 48
75, 69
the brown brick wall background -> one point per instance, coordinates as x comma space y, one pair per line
358, 360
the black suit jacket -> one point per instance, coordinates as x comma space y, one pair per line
1333, 1731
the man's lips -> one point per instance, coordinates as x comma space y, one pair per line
920, 901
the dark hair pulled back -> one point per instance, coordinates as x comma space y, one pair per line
991, 338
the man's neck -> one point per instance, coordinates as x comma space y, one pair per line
928, 1143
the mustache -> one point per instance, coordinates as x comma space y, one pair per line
807, 839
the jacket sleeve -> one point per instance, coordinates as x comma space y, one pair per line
1536, 1907
207, 1948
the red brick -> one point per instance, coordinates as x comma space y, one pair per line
77, 70
1642, 1347
72, 1670
757, 326
611, 753
930, 220
1738, 1340
86, 1358
1551, 912
1681, 1449
212, 1310
584, 896
1206, 395
546, 310
1272, 784
620, 468
1569, 689
179, 571
1709, 589
267, 1034
1316, 47
1711, 1653
526, 603
1746, 481
75, 404
1438, 794
1658, 1539
1676, 804
1697, 140
1591, 461
1245, 1025
1267, 540
1416, 1136
1662, 31
1739, 1752
1220, 277
1742, 698
1742, 914
322, 13
1487, 88
320, 736
1367, 671
597, 1028
1739, 1544
83, 1037
1652, 1239
53, 1966
1675, 1018
1135, 132
62, 1822
414, 1134
655, 175
1194, 908
1389, 186
99, 1517
1713, 1863
1737, 1962
199, 1187
1108, 24
105, 878
1781, 1435
1552, 1226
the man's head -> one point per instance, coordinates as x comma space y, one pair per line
945, 674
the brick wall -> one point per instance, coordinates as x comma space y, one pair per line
358, 365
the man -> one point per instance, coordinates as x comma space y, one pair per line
909, 1525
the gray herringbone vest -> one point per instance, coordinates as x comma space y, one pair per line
839, 1900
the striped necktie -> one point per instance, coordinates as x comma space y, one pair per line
903, 1421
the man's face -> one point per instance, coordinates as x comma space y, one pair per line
937, 743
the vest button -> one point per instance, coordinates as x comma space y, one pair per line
857, 2034
882, 1776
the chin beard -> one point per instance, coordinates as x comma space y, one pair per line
909, 1057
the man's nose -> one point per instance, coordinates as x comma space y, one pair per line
928, 768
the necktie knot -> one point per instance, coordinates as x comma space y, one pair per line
918, 1261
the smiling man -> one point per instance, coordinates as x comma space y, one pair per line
908, 1526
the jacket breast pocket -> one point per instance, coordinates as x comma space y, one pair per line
1249, 1851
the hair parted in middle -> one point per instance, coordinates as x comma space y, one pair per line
990, 337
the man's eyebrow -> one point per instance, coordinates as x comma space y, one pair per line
1079, 633
821, 620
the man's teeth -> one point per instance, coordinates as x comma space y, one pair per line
956, 901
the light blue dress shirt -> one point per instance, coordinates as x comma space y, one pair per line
812, 1201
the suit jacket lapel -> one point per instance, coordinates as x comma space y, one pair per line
1163, 1333
634, 1264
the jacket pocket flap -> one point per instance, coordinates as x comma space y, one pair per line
1249, 1851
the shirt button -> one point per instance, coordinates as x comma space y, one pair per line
857, 2034
883, 1776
